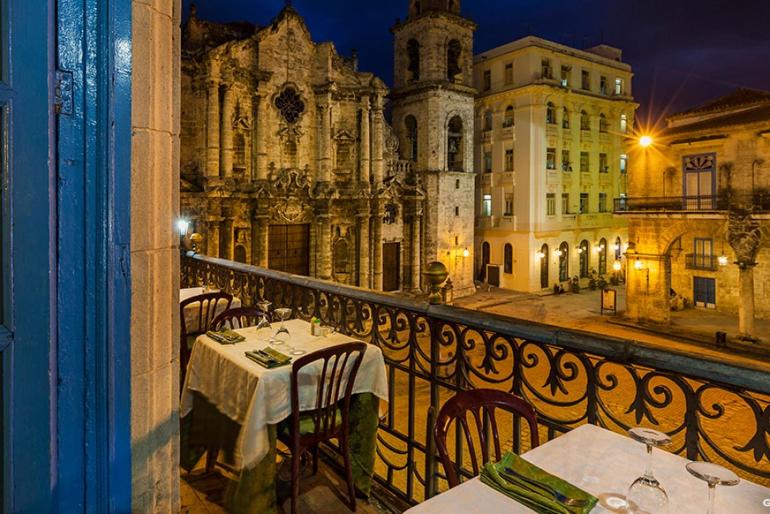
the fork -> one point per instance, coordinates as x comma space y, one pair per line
558, 496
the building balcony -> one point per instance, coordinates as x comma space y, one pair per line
758, 203
432, 351
701, 262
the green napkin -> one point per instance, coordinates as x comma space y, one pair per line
269, 358
225, 336
494, 475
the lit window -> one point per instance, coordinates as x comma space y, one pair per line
486, 205
618, 86
550, 158
550, 202
566, 71
623, 123
623, 163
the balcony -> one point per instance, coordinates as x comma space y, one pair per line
757, 202
571, 377
701, 262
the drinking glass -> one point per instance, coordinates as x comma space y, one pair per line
264, 321
283, 314
713, 475
646, 495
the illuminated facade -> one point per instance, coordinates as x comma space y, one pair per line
699, 212
550, 128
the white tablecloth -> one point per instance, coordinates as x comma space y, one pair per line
192, 311
604, 464
255, 396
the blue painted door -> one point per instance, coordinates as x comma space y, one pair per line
64, 286
705, 292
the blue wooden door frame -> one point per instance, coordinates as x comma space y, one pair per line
94, 166
65, 336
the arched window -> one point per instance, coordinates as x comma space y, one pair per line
564, 118
544, 258
563, 262
550, 114
240, 254
618, 249
585, 121
488, 120
413, 56
623, 123
454, 51
455, 144
602, 256
603, 123
411, 136
508, 259
585, 253
508, 119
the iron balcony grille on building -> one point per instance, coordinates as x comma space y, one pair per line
702, 262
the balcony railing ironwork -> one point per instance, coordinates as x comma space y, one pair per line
713, 410
696, 261
757, 202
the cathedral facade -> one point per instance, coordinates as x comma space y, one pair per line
287, 161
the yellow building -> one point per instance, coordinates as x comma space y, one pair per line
699, 212
551, 122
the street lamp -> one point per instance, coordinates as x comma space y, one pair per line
616, 266
183, 226
539, 255
645, 141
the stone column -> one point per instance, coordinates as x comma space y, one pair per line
364, 151
263, 229
226, 161
212, 130
377, 248
227, 239
324, 247
212, 238
324, 138
378, 140
363, 246
745, 236
414, 257
260, 160
746, 305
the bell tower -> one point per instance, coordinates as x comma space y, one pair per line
433, 113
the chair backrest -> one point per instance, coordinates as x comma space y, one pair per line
333, 387
209, 304
480, 406
237, 318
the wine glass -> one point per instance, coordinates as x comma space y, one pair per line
646, 495
713, 475
282, 314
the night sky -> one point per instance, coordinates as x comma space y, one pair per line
683, 52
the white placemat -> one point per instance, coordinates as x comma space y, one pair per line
255, 396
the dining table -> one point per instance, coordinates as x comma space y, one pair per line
192, 311
234, 404
604, 464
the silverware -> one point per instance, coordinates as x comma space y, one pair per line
558, 496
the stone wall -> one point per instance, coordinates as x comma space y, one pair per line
155, 256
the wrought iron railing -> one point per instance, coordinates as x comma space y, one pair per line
697, 261
713, 410
757, 202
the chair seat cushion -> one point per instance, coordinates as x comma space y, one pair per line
306, 424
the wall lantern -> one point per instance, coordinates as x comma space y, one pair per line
466, 253
183, 226
539, 255
639, 265
616, 265
723, 260
557, 253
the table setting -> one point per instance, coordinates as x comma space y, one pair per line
593, 470
237, 393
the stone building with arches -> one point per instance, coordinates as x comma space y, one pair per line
699, 213
550, 157
287, 161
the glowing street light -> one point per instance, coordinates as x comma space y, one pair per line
539, 255
466, 253
183, 225
645, 141
639, 265
722, 260
616, 266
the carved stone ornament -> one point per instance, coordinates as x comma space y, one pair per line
290, 104
744, 235
291, 210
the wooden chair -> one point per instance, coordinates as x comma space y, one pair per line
329, 417
208, 305
481, 405
237, 318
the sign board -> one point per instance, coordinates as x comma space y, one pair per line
609, 300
